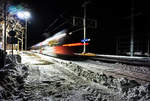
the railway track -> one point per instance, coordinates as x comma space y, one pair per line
136, 68
140, 61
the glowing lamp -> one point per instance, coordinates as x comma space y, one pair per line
23, 14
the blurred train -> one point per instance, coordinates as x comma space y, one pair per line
58, 46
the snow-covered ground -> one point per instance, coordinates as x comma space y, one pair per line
54, 82
46, 78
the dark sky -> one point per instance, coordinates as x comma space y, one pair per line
113, 17
45, 13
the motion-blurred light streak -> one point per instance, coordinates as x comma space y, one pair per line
63, 50
75, 44
57, 37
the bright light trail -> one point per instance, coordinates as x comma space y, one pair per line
75, 44
55, 37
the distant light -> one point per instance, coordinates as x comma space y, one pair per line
70, 33
85, 40
27, 15
23, 14
14, 9
20, 15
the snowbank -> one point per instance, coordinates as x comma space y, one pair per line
12, 79
129, 90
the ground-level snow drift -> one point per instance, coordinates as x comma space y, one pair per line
12, 77
53, 82
43, 78
118, 87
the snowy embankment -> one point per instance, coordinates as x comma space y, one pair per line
50, 79
12, 77
129, 89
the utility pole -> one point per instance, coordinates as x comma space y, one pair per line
22, 39
117, 46
148, 48
4, 32
84, 24
132, 30
26, 32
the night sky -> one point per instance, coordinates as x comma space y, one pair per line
113, 18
